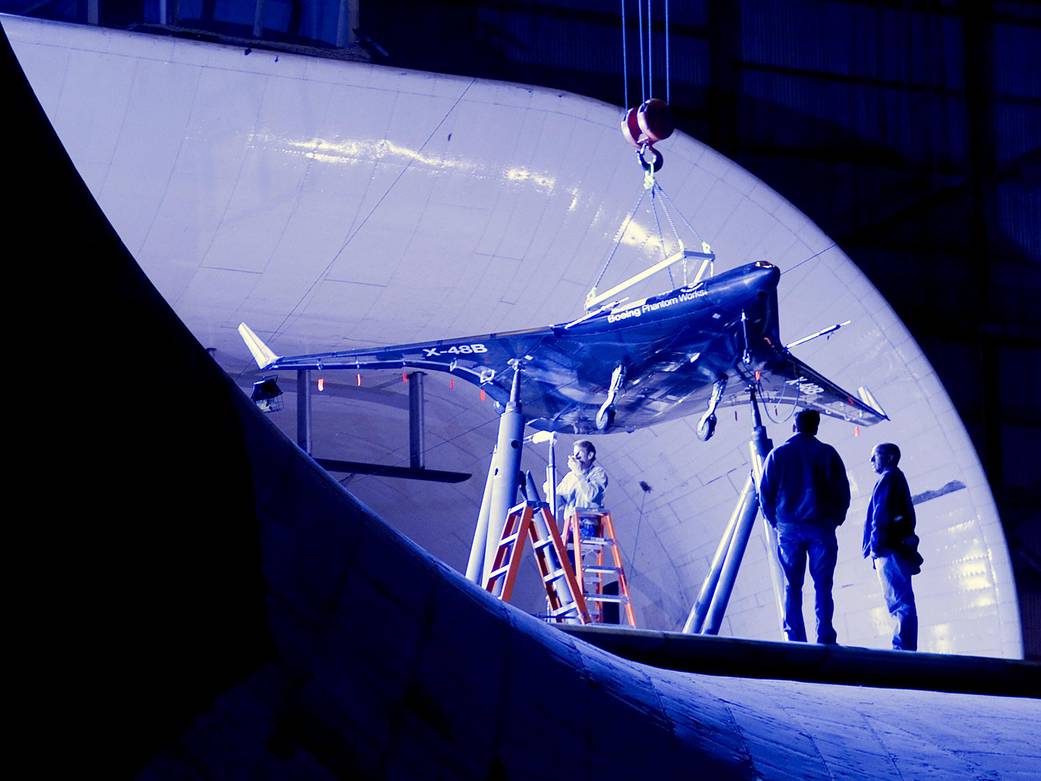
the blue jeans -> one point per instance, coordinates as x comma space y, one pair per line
895, 577
796, 543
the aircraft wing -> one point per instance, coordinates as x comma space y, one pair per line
483, 360
785, 380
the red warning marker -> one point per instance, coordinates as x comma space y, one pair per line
358, 378
856, 431
451, 383
482, 394
321, 384
404, 376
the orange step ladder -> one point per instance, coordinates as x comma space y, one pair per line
533, 521
592, 576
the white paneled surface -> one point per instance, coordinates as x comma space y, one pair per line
335, 205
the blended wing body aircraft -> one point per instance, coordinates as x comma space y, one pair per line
628, 365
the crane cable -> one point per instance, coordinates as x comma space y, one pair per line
646, 84
646, 61
643, 70
650, 50
625, 62
668, 90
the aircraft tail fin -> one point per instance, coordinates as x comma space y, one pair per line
262, 354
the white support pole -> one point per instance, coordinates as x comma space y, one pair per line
475, 564
505, 470
759, 447
698, 611
732, 563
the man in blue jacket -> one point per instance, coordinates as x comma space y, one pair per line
890, 541
804, 494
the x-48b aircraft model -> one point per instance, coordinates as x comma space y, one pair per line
628, 364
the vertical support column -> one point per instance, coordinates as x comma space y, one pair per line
759, 448
416, 446
759, 444
93, 17
551, 477
747, 511
696, 618
475, 564
164, 17
505, 469
303, 409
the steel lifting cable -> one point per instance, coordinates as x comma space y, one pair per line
668, 216
643, 95
619, 236
675, 233
661, 234
668, 90
650, 50
680, 213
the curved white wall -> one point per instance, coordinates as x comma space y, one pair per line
332, 204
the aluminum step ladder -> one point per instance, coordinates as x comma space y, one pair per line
533, 521
594, 575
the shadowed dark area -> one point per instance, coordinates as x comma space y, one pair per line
157, 595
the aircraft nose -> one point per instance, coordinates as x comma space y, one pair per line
766, 275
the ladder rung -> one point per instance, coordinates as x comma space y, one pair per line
606, 598
597, 541
507, 540
554, 576
560, 611
498, 573
543, 543
601, 570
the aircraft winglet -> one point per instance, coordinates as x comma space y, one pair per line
262, 354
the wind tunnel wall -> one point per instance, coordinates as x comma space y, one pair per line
223, 608
335, 205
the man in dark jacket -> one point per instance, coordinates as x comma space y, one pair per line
890, 541
804, 494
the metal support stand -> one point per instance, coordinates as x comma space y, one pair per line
415, 471
706, 616
760, 447
731, 564
505, 470
475, 564
303, 409
551, 475
416, 446
696, 618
